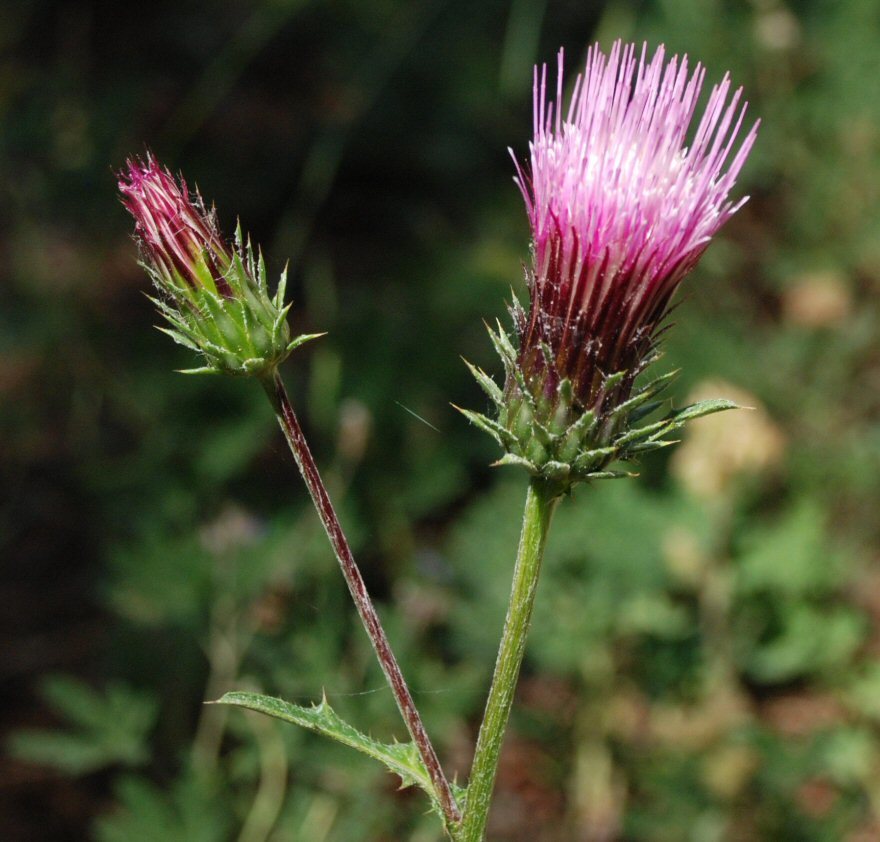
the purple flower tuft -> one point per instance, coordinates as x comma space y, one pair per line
621, 208
178, 235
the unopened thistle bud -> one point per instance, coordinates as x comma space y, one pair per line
215, 297
621, 207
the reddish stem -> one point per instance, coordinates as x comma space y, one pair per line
309, 470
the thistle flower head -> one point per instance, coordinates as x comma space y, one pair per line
622, 199
214, 296
621, 205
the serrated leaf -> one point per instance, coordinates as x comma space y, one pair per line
648, 446
400, 758
588, 456
181, 326
262, 275
653, 355
518, 461
542, 434
642, 396
643, 412
584, 425
280, 319
613, 380
610, 475
237, 277
247, 332
527, 396
631, 404
657, 428
565, 391
502, 343
222, 316
487, 384
515, 307
502, 435
179, 338
701, 408
301, 340
658, 384
281, 289
205, 369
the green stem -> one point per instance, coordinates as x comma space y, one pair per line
540, 502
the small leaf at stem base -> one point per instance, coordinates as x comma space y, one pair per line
401, 758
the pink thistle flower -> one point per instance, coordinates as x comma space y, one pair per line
179, 237
621, 208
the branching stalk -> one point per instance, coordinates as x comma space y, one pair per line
287, 419
540, 502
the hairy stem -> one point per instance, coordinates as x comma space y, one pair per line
370, 619
540, 502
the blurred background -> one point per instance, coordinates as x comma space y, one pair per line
705, 659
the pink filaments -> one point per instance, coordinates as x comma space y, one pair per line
179, 237
621, 206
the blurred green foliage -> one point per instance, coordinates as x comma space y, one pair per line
703, 664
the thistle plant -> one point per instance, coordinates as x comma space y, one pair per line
621, 208
622, 201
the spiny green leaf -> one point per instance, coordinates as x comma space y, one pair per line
643, 432
503, 346
206, 369
247, 333
542, 434
648, 446
280, 318
613, 380
588, 456
281, 289
583, 426
179, 338
519, 461
305, 337
212, 349
658, 384
644, 394
262, 276
565, 391
515, 307
503, 436
526, 394
401, 758
701, 408
488, 385
643, 412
